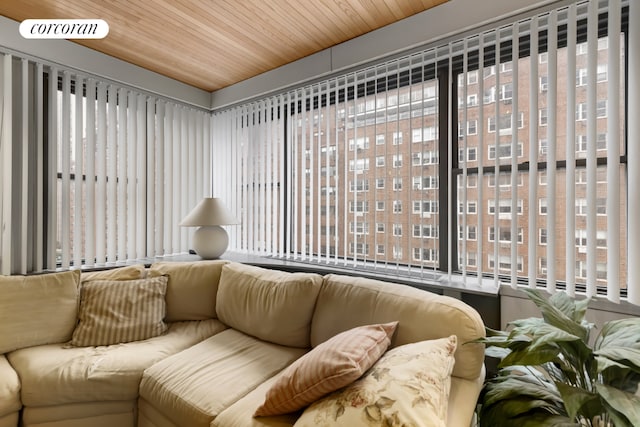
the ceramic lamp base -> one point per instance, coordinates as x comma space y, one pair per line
210, 241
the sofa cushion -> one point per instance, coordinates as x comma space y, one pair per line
192, 387
120, 311
130, 272
9, 388
85, 414
192, 288
59, 374
409, 385
272, 305
333, 364
37, 310
421, 315
241, 412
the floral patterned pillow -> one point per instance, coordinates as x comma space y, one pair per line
408, 386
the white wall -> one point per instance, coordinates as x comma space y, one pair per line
436, 24
87, 60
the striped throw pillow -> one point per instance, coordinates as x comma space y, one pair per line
115, 311
331, 365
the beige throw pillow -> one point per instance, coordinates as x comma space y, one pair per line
328, 367
409, 385
113, 311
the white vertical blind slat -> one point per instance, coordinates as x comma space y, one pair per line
481, 150
112, 207
533, 156
101, 175
125, 144
6, 160
65, 165
613, 154
633, 152
552, 98
140, 179
160, 184
40, 160
515, 84
151, 212
23, 194
496, 142
592, 186
90, 182
570, 252
80, 177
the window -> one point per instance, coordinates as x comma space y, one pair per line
505, 151
505, 123
359, 185
359, 206
488, 173
359, 164
544, 83
380, 227
397, 230
504, 210
359, 228
397, 184
359, 144
543, 236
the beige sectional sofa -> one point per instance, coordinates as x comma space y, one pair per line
227, 337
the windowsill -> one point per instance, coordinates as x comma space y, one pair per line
600, 303
429, 280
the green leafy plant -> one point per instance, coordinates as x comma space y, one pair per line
552, 373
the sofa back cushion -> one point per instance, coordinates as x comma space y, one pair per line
192, 288
36, 310
274, 306
346, 302
130, 272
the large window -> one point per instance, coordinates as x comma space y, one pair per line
507, 143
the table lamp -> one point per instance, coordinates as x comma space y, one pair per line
210, 240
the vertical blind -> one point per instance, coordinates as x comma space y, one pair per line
94, 174
499, 156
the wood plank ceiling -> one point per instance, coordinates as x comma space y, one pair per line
211, 44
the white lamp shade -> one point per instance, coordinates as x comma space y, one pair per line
210, 211
209, 240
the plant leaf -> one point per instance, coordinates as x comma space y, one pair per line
620, 333
577, 399
538, 356
628, 357
497, 352
510, 385
625, 403
572, 308
557, 317
549, 334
